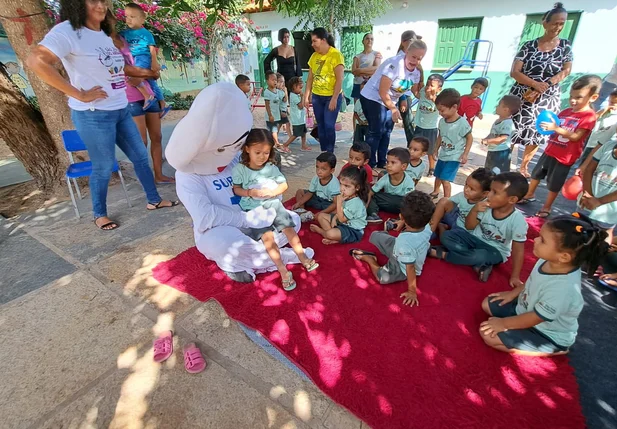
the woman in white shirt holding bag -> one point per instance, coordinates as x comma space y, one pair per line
97, 97
393, 78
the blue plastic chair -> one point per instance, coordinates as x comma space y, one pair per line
73, 143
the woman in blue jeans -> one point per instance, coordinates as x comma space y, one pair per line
394, 78
97, 97
324, 86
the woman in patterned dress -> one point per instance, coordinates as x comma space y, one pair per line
538, 69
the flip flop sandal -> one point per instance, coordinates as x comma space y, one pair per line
165, 111
163, 347
148, 103
306, 149
355, 253
290, 283
159, 206
300, 210
543, 214
105, 225
434, 196
527, 201
311, 265
194, 361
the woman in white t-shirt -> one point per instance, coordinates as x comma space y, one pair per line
364, 65
394, 77
97, 98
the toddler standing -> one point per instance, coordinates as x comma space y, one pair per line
297, 115
360, 121
499, 140
606, 127
541, 317
280, 84
259, 182
566, 143
244, 83
454, 141
427, 116
273, 98
471, 105
417, 149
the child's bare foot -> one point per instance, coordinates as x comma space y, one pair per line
317, 229
164, 179
306, 148
328, 242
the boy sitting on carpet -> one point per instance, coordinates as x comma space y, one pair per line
387, 194
491, 227
359, 154
407, 252
322, 190
541, 318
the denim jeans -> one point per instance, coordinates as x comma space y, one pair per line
145, 62
379, 128
326, 120
465, 248
101, 131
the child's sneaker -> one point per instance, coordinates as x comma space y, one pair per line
484, 271
374, 218
389, 225
306, 217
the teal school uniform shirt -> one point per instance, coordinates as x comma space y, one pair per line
501, 128
384, 184
604, 182
355, 212
276, 99
427, 116
557, 299
327, 191
500, 233
269, 177
139, 40
296, 116
411, 248
464, 207
416, 172
453, 139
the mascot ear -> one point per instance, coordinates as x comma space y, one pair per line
214, 120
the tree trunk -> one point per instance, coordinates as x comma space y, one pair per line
34, 136
23, 130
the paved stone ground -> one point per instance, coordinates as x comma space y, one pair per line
79, 309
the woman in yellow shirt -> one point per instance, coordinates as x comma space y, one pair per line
325, 81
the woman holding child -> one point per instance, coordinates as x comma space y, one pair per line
394, 77
98, 102
538, 68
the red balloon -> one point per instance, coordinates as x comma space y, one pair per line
572, 188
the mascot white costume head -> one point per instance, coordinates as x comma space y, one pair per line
203, 148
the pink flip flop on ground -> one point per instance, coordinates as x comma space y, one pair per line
194, 361
163, 347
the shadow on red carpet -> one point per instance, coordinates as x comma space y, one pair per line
394, 366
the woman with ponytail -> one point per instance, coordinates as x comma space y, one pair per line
541, 317
324, 86
393, 78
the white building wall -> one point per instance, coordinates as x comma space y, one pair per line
503, 23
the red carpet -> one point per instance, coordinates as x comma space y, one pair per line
394, 366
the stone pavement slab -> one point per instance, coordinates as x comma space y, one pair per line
210, 324
26, 263
58, 340
130, 269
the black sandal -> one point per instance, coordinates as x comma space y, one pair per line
114, 225
439, 252
355, 255
159, 206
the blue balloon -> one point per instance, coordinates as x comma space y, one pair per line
546, 116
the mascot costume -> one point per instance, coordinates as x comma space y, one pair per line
203, 148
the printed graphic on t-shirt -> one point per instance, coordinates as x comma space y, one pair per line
113, 61
568, 123
491, 231
606, 174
